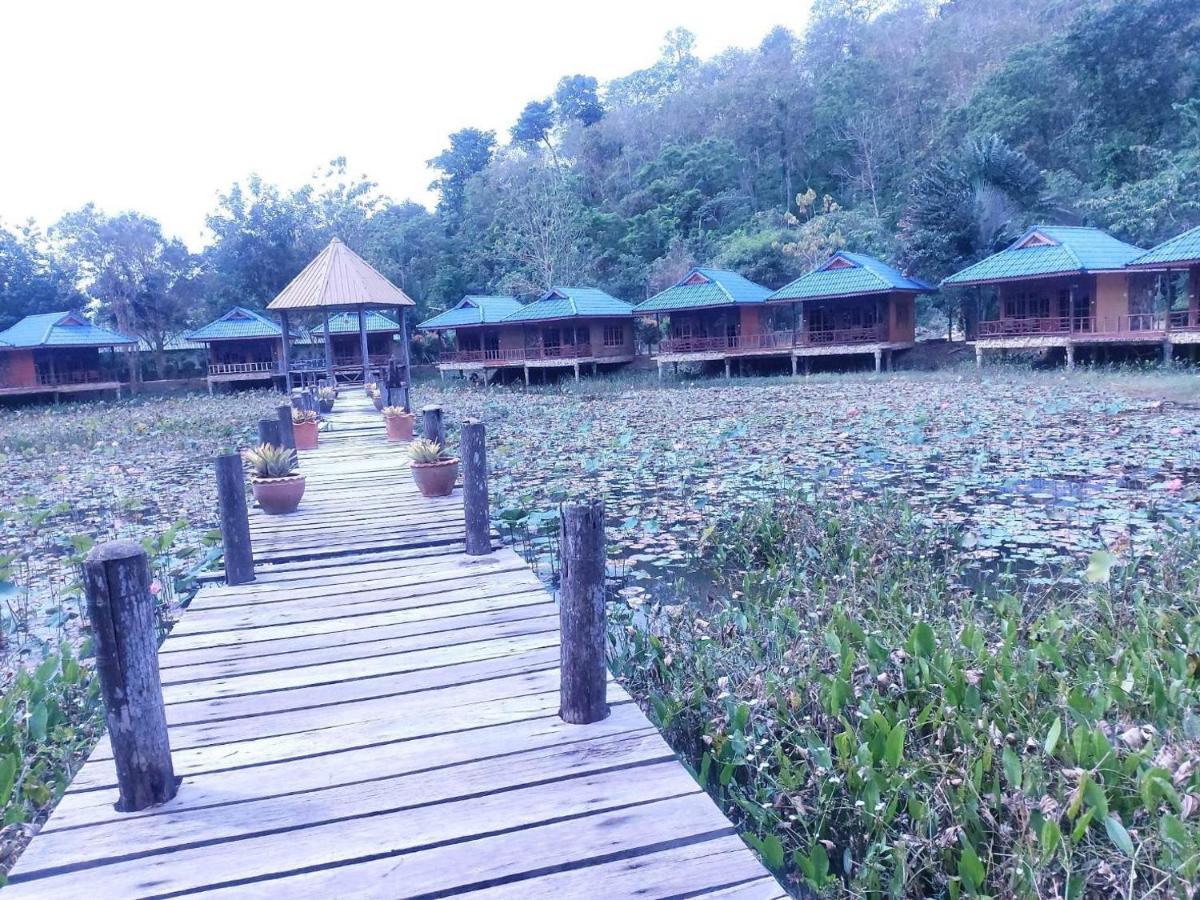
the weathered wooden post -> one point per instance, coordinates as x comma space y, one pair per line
268, 432
581, 614
473, 451
287, 432
235, 522
431, 424
116, 578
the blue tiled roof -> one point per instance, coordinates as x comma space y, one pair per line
1179, 250
1050, 250
472, 310
237, 323
850, 274
60, 329
703, 287
347, 323
570, 303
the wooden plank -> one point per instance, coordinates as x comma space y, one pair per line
377, 715
429, 839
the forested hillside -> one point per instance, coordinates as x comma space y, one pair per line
922, 131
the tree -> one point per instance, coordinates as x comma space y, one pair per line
534, 125
541, 226
967, 205
469, 153
577, 100
31, 280
140, 279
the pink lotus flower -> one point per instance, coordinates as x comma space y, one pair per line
1175, 484
155, 587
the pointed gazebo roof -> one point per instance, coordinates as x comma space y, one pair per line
338, 278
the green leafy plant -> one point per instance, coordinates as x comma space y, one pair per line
395, 411
423, 451
269, 461
327, 394
303, 417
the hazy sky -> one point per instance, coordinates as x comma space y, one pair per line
157, 106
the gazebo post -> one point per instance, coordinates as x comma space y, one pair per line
404, 348
328, 351
362, 344
287, 351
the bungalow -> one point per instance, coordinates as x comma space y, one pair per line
479, 341
242, 345
567, 327
712, 314
1068, 287
851, 304
343, 346
59, 352
1179, 254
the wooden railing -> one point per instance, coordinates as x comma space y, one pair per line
1135, 323
775, 340
698, 345
870, 334
562, 351
521, 354
495, 355
77, 376
267, 367
1185, 320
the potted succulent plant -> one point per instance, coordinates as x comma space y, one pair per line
433, 470
325, 398
304, 427
399, 423
276, 484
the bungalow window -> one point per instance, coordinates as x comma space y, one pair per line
1028, 305
614, 336
551, 338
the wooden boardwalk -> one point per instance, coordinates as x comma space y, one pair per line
376, 716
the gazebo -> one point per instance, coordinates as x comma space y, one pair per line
338, 280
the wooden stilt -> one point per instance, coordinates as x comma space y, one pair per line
582, 617
116, 577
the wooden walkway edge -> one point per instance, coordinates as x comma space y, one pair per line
377, 716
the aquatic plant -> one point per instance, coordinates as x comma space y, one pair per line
877, 725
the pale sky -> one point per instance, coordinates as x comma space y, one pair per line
157, 106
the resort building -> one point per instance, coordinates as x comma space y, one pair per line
242, 346
850, 305
1171, 259
712, 314
344, 347
567, 327
473, 323
57, 353
1063, 286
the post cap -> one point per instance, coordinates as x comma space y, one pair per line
110, 550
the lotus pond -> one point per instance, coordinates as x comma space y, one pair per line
1026, 470
74, 475
920, 636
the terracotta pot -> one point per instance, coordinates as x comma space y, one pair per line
399, 428
435, 479
306, 435
277, 496
378, 403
